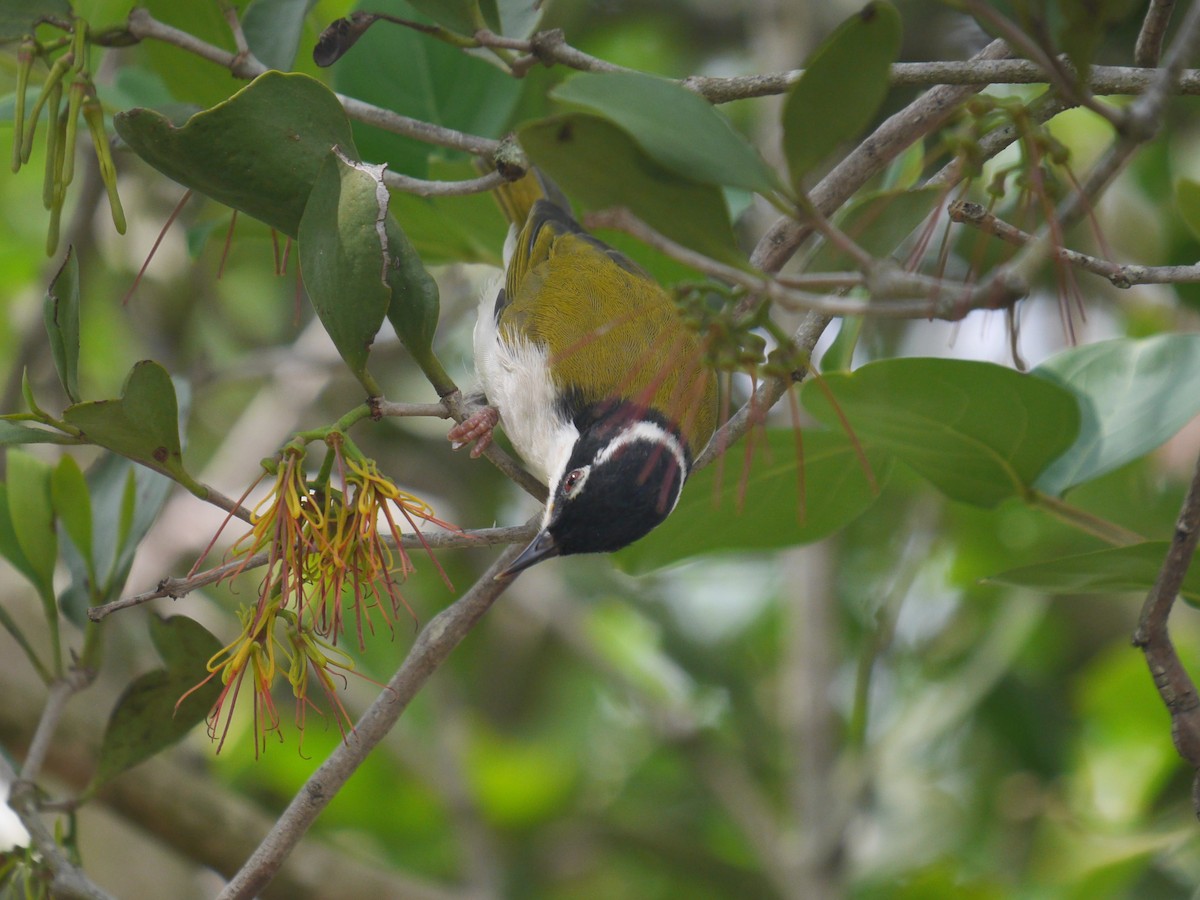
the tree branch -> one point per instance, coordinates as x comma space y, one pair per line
1174, 685
175, 588
1122, 276
432, 646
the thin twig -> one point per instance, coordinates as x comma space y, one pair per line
1150, 39
61, 690
1174, 685
1122, 276
423, 188
432, 646
144, 26
175, 588
921, 117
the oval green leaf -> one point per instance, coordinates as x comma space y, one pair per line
979, 432
31, 515
878, 223
343, 244
1114, 569
1133, 395
72, 503
600, 165
418, 76
724, 509
259, 151
16, 433
1187, 201
142, 424
273, 29
146, 719
675, 127
60, 312
842, 87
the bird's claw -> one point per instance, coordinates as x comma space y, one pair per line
476, 427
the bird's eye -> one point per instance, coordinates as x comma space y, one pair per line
573, 479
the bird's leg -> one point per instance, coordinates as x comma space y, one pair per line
476, 427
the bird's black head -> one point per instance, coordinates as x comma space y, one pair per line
622, 480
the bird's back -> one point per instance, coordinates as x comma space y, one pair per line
623, 337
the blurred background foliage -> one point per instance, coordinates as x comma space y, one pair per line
863, 717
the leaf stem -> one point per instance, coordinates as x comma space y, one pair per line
1107, 531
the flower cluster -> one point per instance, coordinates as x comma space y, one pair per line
334, 551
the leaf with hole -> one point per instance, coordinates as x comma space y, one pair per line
142, 424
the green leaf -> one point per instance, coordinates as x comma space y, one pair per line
72, 502
979, 432
519, 18
17, 17
31, 513
1187, 201
878, 223
342, 242
413, 74
675, 127
189, 77
1132, 568
259, 151
146, 719
273, 29
1133, 395
1085, 24
843, 85
600, 165
452, 229
725, 509
10, 547
463, 16
60, 311
143, 424
16, 433
414, 304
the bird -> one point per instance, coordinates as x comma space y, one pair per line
600, 385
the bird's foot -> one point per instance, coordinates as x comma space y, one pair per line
476, 427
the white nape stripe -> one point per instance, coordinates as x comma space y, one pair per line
651, 432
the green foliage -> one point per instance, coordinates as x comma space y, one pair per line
844, 83
600, 165
1133, 396
406, 72
342, 245
153, 713
248, 152
1132, 568
60, 311
979, 432
886, 587
878, 222
142, 424
672, 126
760, 503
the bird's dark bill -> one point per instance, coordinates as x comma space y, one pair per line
541, 547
